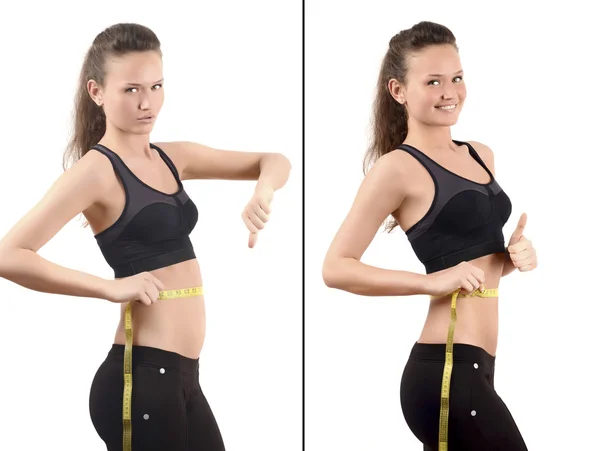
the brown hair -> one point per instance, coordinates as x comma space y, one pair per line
390, 118
89, 121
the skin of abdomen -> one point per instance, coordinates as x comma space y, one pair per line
176, 325
477, 318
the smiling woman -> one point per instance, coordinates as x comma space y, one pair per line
444, 195
146, 394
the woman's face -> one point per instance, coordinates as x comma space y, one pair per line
133, 89
435, 80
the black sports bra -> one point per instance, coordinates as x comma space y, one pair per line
153, 229
464, 220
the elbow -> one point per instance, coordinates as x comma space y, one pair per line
4, 262
8, 256
285, 164
331, 274
283, 160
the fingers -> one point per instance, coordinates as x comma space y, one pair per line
520, 226
249, 224
257, 219
467, 286
252, 240
523, 255
157, 283
479, 275
265, 206
523, 244
144, 299
473, 281
527, 267
257, 215
262, 215
151, 290
526, 263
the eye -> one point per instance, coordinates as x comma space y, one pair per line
458, 77
129, 89
158, 84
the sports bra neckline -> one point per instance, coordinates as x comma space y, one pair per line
471, 152
165, 159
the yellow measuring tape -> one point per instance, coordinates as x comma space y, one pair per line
445, 404
127, 367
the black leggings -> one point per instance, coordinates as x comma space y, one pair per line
478, 420
168, 409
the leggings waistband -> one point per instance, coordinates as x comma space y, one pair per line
461, 353
156, 356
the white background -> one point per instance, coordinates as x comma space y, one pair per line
532, 97
233, 80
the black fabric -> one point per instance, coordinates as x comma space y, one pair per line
465, 219
153, 230
166, 388
478, 420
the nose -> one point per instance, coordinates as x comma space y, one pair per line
144, 102
449, 93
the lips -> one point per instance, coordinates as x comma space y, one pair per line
145, 118
447, 107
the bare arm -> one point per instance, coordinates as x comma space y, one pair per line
487, 155
197, 161
380, 194
73, 192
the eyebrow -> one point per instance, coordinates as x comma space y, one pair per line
137, 84
441, 75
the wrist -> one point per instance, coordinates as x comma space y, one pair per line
507, 257
264, 185
424, 284
103, 289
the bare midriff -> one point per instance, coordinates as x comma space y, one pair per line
477, 318
176, 325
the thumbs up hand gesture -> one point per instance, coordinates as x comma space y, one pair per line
520, 250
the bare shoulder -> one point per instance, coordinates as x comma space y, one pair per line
175, 150
393, 166
483, 150
96, 167
169, 147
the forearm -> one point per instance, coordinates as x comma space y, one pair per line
351, 275
274, 171
30, 270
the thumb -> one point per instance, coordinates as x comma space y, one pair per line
518, 233
252, 239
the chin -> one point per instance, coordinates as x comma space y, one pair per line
139, 130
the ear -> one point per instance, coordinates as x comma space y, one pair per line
397, 90
95, 92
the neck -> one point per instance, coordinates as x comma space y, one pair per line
432, 137
126, 143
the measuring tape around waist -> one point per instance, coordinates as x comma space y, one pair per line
445, 398
127, 362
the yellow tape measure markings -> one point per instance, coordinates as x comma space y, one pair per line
127, 362
445, 398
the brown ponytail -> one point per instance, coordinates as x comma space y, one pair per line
89, 121
390, 118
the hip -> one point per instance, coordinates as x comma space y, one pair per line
478, 417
